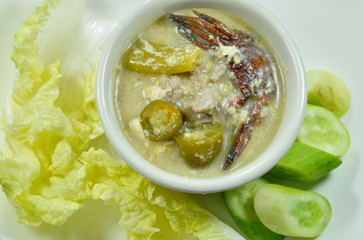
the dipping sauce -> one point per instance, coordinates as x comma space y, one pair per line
163, 65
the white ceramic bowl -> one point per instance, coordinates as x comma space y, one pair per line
287, 55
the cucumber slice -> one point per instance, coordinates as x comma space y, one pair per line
323, 130
327, 90
239, 202
292, 212
305, 163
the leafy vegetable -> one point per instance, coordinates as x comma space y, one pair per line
53, 152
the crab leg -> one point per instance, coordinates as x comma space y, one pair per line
219, 25
207, 24
244, 134
184, 27
243, 79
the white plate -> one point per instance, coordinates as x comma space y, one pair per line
329, 36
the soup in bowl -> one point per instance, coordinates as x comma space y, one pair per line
201, 96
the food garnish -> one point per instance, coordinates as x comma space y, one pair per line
239, 202
305, 163
54, 156
287, 210
327, 90
292, 212
322, 129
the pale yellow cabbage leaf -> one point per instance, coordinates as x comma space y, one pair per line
53, 152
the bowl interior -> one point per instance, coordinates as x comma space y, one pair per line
285, 50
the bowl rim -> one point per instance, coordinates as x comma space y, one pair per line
124, 149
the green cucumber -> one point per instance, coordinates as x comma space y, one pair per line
239, 202
322, 129
327, 90
305, 163
292, 212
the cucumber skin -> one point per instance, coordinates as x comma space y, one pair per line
249, 224
256, 230
305, 163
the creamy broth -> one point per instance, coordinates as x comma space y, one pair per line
206, 93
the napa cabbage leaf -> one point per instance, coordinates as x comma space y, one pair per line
53, 152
